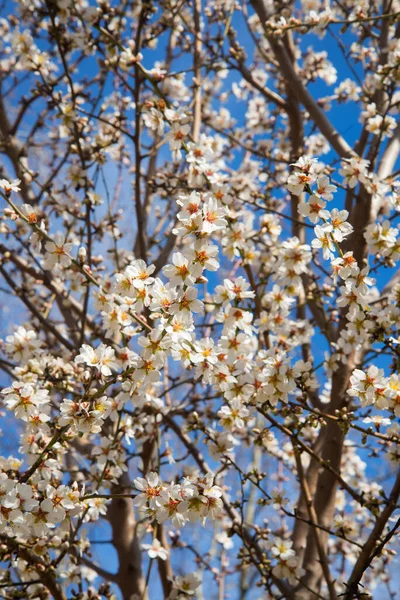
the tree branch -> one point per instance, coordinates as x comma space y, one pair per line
337, 142
367, 553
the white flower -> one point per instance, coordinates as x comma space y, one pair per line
168, 504
8, 492
350, 294
378, 421
127, 59
191, 205
155, 550
213, 216
181, 271
394, 385
233, 416
370, 386
58, 502
295, 256
23, 344
57, 252
24, 400
278, 499
305, 164
103, 358
180, 327
186, 583
282, 549
37, 238
325, 189
156, 342
223, 539
382, 126
381, 237
10, 186
345, 266
177, 136
312, 208
324, 240
354, 170
297, 182
29, 213
204, 254
154, 120
150, 489
338, 220
25, 497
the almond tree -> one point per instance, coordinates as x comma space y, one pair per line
199, 241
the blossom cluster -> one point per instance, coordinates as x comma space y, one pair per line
372, 387
188, 341
193, 500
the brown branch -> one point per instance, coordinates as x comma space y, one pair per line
197, 71
140, 247
42, 456
298, 89
121, 517
35, 311
242, 531
268, 94
164, 566
325, 463
317, 311
367, 553
314, 527
165, 252
385, 169
301, 525
99, 570
67, 304
16, 152
47, 575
